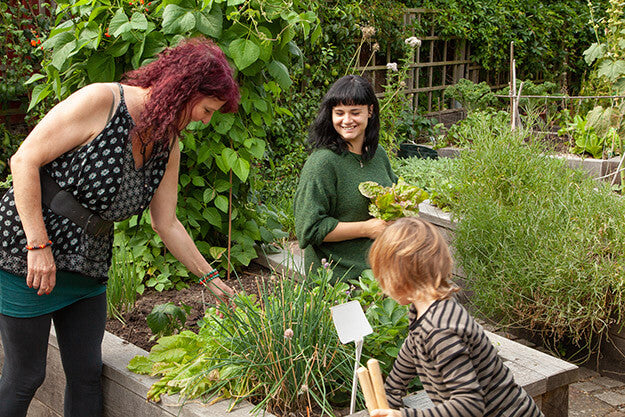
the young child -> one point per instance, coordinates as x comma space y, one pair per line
457, 364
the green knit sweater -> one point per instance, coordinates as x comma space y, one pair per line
327, 193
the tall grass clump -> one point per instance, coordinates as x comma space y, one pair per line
541, 244
121, 291
277, 348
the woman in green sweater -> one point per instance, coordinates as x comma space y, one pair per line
332, 219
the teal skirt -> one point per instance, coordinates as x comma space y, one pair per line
18, 300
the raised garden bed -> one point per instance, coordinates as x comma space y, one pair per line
124, 391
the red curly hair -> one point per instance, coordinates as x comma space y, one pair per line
178, 78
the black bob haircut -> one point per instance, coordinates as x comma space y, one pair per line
346, 91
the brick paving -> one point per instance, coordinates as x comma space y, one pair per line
596, 396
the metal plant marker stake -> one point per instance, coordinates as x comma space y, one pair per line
352, 326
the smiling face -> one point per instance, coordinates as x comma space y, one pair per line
203, 109
350, 122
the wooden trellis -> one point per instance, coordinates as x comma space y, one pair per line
436, 64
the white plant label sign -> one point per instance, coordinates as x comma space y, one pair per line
350, 322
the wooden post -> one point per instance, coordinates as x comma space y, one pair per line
512, 84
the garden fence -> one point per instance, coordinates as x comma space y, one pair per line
436, 64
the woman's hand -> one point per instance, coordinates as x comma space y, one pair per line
41, 270
222, 291
382, 412
375, 227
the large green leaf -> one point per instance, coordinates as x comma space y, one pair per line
241, 168
119, 23
101, 68
61, 55
244, 52
613, 70
40, 92
138, 21
280, 72
210, 24
177, 19
596, 50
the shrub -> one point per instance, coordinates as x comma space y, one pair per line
541, 244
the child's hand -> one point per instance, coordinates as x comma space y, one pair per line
380, 412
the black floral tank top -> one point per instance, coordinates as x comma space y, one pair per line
102, 177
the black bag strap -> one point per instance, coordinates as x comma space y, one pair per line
65, 204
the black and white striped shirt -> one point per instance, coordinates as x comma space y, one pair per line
458, 367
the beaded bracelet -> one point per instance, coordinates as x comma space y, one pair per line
35, 247
209, 276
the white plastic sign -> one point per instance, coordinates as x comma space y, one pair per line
350, 322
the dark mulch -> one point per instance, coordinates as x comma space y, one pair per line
136, 330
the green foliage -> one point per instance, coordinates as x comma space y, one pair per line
435, 176
529, 105
607, 54
278, 349
586, 139
390, 203
388, 319
541, 244
10, 140
99, 40
123, 283
167, 319
22, 27
549, 37
462, 133
470, 95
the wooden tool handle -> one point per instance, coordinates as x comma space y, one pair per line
378, 383
367, 389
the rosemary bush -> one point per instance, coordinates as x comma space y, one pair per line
541, 244
278, 348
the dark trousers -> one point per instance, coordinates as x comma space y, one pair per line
79, 331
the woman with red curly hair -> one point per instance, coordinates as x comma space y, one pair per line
105, 153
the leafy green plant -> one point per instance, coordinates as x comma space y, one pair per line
548, 37
167, 319
123, 283
23, 26
388, 319
585, 137
607, 54
462, 133
390, 203
277, 348
540, 243
432, 175
470, 95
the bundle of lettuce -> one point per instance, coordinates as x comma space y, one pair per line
390, 203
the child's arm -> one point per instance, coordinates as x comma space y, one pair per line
452, 375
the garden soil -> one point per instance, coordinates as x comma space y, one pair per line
135, 330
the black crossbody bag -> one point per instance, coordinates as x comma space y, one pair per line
65, 204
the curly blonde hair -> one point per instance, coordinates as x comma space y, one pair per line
410, 257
